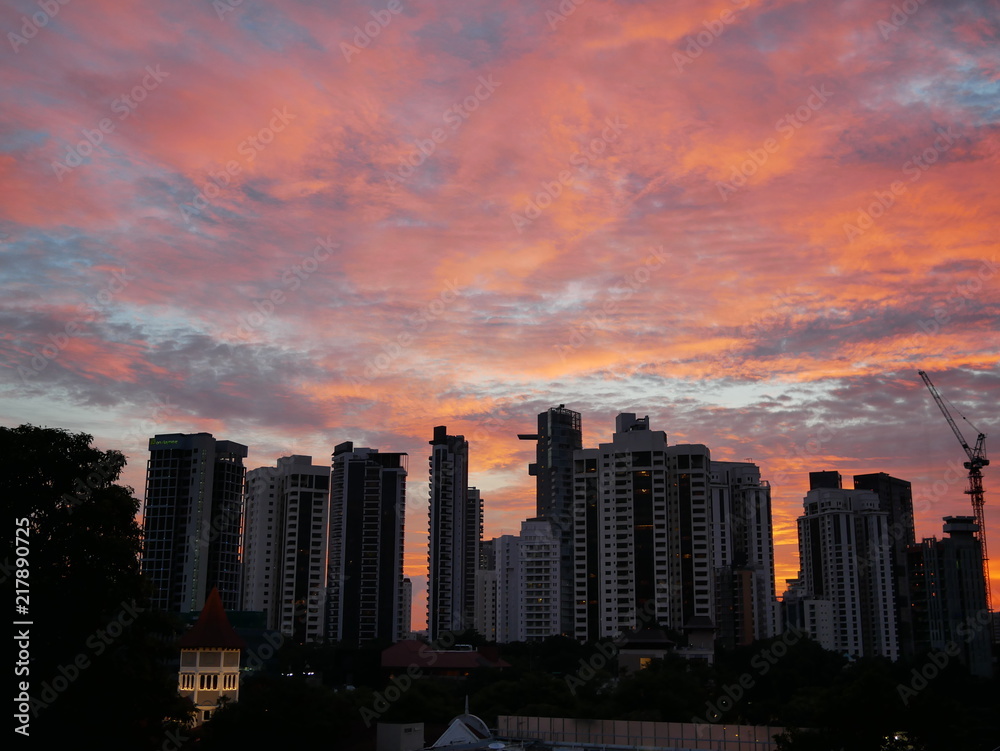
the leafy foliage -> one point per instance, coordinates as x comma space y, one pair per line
97, 651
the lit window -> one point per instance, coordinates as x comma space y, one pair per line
209, 682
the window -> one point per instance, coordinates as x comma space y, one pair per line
187, 682
209, 681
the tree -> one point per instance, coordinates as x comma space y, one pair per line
280, 712
96, 648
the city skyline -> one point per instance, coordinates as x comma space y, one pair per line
419, 606
292, 225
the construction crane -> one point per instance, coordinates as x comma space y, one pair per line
977, 460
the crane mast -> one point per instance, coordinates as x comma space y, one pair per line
977, 460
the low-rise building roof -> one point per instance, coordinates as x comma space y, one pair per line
411, 652
212, 631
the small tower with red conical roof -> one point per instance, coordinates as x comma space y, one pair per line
210, 659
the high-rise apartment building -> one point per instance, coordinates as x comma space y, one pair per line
743, 554
405, 608
456, 521
473, 537
895, 497
509, 617
486, 591
642, 539
262, 544
285, 546
559, 436
191, 520
365, 598
845, 559
948, 595
540, 553
527, 589
808, 614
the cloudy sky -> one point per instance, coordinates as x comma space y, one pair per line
293, 224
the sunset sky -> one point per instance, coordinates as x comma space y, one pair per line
293, 224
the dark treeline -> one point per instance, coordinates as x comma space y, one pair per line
825, 701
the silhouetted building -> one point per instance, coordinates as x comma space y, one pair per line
406, 609
746, 608
456, 519
827, 479
285, 546
845, 559
642, 544
949, 595
473, 551
191, 520
895, 497
638, 649
366, 600
559, 435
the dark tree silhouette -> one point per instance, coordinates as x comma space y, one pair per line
280, 712
97, 651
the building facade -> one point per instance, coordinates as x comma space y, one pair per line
845, 559
746, 608
642, 541
948, 595
191, 520
473, 539
406, 609
285, 546
365, 596
895, 497
559, 435
540, 550
210, 660
486, 591
455, 529
528, 583
804, 613
509, 615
